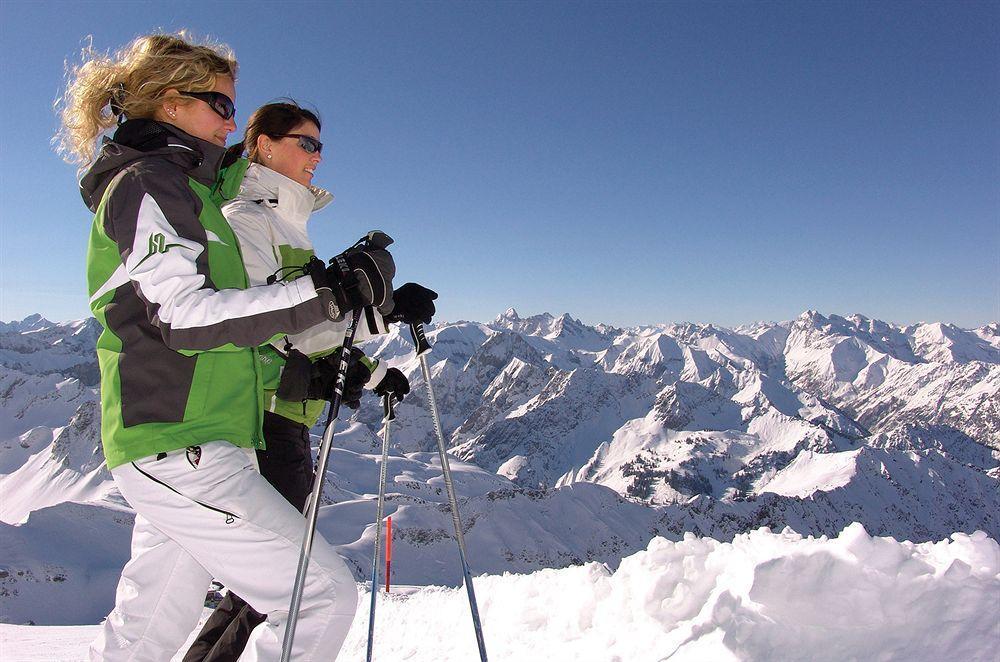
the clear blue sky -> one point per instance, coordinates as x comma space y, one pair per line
624, 162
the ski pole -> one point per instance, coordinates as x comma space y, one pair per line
422, 347
313, 511
389, 414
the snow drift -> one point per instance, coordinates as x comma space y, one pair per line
765, 596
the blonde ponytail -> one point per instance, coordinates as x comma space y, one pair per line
133, 81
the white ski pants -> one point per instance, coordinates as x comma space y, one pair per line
219, 519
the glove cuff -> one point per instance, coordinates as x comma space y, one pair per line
378, 372
335, 304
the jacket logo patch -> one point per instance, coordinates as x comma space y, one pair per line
158, 244
194, 456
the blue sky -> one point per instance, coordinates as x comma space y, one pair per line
627, 163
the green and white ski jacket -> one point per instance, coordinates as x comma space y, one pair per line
178, 353
269, 217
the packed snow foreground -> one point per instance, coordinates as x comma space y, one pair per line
765, 596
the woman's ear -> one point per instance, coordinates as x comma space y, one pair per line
263, 146
169, 104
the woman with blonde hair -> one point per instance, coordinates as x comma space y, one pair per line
181, 394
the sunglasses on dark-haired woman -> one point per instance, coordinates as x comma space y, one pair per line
308, 143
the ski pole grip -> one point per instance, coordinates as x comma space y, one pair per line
388, 408
419, 339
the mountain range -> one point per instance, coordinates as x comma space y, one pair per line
570, 443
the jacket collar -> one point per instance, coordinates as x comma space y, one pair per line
292, 201
143, 138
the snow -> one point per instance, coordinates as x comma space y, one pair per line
810, 472
650, 435
61, 566
765, 596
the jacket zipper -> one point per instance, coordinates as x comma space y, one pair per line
230, 517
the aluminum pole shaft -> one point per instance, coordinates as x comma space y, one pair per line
312, 512
420, 341
380, 511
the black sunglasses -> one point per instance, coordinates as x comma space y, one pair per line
308, 143
217, 101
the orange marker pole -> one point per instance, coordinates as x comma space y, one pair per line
388, 550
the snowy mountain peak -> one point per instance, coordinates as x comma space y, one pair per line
534, 325
509, 315
32, 322
811, 316
990, 330
946, 343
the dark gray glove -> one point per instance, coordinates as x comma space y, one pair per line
357, 277
324, 378
394, 383
413, 303
293, 385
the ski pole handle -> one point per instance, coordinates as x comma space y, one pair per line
388, 408
419, 339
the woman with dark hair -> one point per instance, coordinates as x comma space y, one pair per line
180, 369
269, 216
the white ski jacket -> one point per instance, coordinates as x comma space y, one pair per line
269, 217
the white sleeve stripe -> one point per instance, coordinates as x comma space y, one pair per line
166, 270
117, 279
320, 338
204, 307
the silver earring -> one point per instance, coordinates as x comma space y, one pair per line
268, 156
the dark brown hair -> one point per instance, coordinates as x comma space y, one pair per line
275, 119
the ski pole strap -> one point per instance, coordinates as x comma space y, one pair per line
388, 408
347, 280
419, 339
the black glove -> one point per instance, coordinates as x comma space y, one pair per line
357, 277
413, 303
295, 375
324, 378
394, 383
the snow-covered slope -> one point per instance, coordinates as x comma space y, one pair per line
69, 468
887, 376
62, 565
48, 373
576, 443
